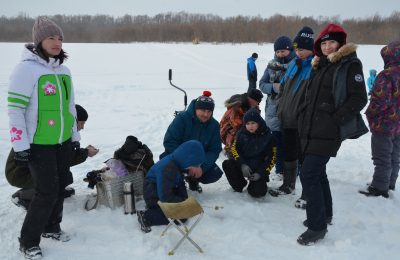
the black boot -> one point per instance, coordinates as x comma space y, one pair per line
144, 226
310, 237
371, 191
194, 184
328, 221
289, 179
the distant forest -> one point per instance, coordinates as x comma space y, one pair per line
186, 27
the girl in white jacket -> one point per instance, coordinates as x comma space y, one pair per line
43, 130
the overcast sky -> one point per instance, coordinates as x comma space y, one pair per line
265, 8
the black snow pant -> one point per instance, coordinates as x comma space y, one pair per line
252, 85
235, 178
49, 166
317, 191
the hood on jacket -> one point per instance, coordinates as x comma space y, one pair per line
189, 153
330, 28
391, 54
30, 54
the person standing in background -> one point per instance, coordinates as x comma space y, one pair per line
252, 71
371, 80
43, 129
269, 84
383, 114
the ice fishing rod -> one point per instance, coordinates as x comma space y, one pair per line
170, 82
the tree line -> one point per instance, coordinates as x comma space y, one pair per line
186, 27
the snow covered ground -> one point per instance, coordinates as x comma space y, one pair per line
125, 89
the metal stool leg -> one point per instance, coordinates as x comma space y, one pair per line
186, 234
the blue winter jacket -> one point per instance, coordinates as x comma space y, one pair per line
371, 79
186, 126
251, 69
167, 173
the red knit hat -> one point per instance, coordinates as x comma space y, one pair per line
330, 32
205, 101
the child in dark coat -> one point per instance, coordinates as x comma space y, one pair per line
254, 156
165, 182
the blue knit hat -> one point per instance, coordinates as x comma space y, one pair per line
253, 115
304, 39
283, 43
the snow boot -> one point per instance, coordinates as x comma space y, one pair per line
68, 192
301, 202
289, 179
58, 236
144, 226
33, 252
371, 191
310, 237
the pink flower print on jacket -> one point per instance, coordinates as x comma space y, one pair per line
15, 134
49, 89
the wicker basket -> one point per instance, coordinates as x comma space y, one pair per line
110, 192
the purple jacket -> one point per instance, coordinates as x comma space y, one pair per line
383, 112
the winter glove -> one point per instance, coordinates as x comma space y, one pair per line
75, 146
22, 158
246, 170
276, 87
254, 177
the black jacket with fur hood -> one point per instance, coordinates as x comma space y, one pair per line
320, 119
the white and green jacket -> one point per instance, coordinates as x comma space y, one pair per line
41, 105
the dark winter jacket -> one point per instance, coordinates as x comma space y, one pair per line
274, 72
321, 119
255, 149
292, 91
383, 112
21, 177
164, 181
251, 69
186, 126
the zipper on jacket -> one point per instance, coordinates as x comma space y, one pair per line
65, 87
61, 108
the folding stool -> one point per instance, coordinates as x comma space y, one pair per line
182, 210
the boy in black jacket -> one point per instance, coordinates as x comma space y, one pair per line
254, 156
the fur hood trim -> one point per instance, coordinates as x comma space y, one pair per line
335, 57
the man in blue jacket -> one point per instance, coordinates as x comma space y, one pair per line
252, 72
197, 123
164, 182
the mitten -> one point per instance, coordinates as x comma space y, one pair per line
254, 177
22, 158
246, 170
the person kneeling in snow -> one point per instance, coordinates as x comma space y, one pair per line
254, 156
165, 182
197, 123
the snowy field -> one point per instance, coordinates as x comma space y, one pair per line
126, 91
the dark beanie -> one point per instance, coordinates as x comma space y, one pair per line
255, 94
304, 39
253, 115
283, 43
81, 113
44, 28
205, 101
254, 55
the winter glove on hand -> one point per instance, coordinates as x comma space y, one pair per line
276, 87
22, 158
255, 176
75, 146
246, 170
